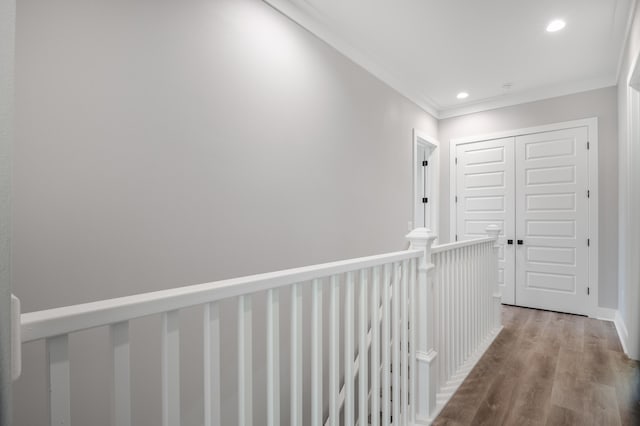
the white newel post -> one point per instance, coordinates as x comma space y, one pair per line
493, 231
426, 356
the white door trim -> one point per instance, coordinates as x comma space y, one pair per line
422, 139
592, 126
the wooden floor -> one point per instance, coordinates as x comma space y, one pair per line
547, 368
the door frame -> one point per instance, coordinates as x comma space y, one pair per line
424, 140
592, 164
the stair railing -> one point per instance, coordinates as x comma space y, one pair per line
402, 327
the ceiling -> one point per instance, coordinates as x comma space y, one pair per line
430, 50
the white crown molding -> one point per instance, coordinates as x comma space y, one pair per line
528, 96
309, 19
323, 32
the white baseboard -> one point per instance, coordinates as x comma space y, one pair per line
623, 334
606, 314
447, 391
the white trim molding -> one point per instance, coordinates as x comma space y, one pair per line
313, 23
424, 140
305, 15
592, 125
623, 334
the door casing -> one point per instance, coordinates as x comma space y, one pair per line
422, 140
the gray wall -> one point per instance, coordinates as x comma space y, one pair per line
7, 27
629, 287
164, 143
600, 103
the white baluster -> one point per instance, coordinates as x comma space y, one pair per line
211, 356
120, 374
474, 298
395, 347
494, 232
467, 302
487, 287
58, 377
375, 347
363, 388
457, 304
448, 331
386, 351
273, 357
316, 354
245, 361
404, 341
334, 347
441, 317
348, 351
412, 338
171, 368
296, 355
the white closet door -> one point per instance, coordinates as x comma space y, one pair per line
485, 189
552, 220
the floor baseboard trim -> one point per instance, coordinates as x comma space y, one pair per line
623, 334
606, 314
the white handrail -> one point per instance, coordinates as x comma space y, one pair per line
443, 307
58, 321
460, 244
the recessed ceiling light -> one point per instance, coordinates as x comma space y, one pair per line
556, 25
462, 95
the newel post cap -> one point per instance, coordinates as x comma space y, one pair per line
420, 238
493, 231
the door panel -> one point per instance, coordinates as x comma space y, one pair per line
485, 188
552, 220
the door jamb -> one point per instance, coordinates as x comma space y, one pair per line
592, 177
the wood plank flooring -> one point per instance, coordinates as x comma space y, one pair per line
547, 368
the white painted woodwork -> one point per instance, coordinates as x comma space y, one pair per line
273, 357
316, 354
170, 368
395, 345
466, 315
551, 206
390, 44
403, 371
296, 355
552, 220
425, 358
58, 376
375, 347
412, 389
211, 368
485, 187
53, 322
386, 349
363, 349
120, 374
245, 360
423, 315
334, 348
425, 180
16, 341
348, 351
